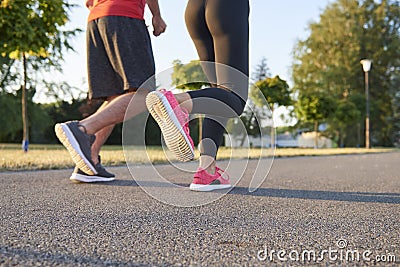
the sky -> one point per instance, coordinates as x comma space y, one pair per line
275, 27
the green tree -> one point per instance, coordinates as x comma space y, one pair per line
277, 93
10, 118
329, 59
315, 108
33, 29
6, 75
395, 120
262, 71
275, 90
346, 114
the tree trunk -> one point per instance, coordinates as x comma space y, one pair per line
342, 136
316, 134
25, 141
247, 127
273, 143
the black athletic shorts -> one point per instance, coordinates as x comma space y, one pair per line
119, 56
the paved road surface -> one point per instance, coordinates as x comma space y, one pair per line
333, 206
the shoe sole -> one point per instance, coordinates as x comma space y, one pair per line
208, 187
75, 177
174, 136
67, 138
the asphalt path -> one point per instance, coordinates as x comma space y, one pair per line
328, 210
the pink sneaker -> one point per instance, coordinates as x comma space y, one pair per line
173, 121
203, 181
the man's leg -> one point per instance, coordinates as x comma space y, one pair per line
114, 112
101, 138
102, 135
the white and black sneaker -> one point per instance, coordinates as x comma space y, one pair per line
102, 175
78, 145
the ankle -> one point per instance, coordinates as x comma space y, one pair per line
207, 163
85, 128
82, 128
185, 101
210, 170
95, 160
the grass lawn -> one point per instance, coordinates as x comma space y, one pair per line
44, 157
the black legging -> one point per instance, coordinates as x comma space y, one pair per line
220, 32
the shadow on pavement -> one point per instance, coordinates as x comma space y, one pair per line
366, 197
143, 183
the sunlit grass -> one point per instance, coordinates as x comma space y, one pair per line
43, 157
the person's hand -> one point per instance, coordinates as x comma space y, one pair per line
159, 25
89, 4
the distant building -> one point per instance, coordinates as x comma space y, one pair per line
307, 139
286, 140
301, 139
249, 141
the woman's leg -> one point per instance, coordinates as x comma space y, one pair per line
222, 36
